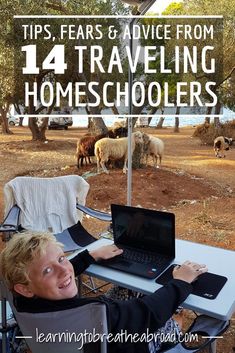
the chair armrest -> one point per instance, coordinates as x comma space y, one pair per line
209, 325
103, 216
205, 327
11, 222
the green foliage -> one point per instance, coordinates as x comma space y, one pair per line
227, 10
229, 92
11, 39
175, 8
210, 7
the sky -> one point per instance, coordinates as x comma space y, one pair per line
161, 5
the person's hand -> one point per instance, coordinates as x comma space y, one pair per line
106, 252
189, 271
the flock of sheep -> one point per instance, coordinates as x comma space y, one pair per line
113, 146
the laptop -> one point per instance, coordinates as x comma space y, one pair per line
147, 238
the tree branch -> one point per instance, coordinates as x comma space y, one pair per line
56, 7
227, 77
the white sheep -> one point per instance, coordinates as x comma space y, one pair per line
222, 144
115, 149
155, 149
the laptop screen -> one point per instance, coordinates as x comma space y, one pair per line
144, 229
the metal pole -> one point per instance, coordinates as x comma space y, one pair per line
144, 6
130, 82
4, 325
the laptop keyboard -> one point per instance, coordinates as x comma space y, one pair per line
140, 257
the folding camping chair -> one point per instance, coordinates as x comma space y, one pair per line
67, 331
24, 194
51, 204
73, 324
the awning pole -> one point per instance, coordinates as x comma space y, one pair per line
130, 81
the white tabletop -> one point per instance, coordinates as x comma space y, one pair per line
219, 261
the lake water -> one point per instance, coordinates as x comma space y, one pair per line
82, 121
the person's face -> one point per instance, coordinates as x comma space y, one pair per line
51, 276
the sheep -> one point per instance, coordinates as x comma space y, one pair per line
107, 148
222, 144
155, 149
86, 145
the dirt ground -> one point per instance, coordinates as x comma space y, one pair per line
192, 183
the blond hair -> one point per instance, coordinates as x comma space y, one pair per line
19, 252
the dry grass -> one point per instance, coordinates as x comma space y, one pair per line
208, 132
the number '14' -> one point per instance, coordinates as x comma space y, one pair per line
53, 61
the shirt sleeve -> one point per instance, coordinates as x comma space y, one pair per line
150, 312
81, 262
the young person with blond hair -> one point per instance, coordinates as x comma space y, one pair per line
42, 279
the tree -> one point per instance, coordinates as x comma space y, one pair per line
166, 81
177, 121
6, 69
174, 9
227, 9
9, 90
94, 7
229, 92
160, 122
224, 81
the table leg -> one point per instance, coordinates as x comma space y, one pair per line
212, 347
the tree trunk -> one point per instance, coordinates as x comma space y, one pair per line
43, 129
152, 112
17, 109
137, 111
216, 122
4, 122
21, 121
87, 110
89, 126
134, 120
217, 108
136, 157
149, 120
216, 118
208, 118
160, 123
97, 126
37, 134
177, 120
115, 110
217, 112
